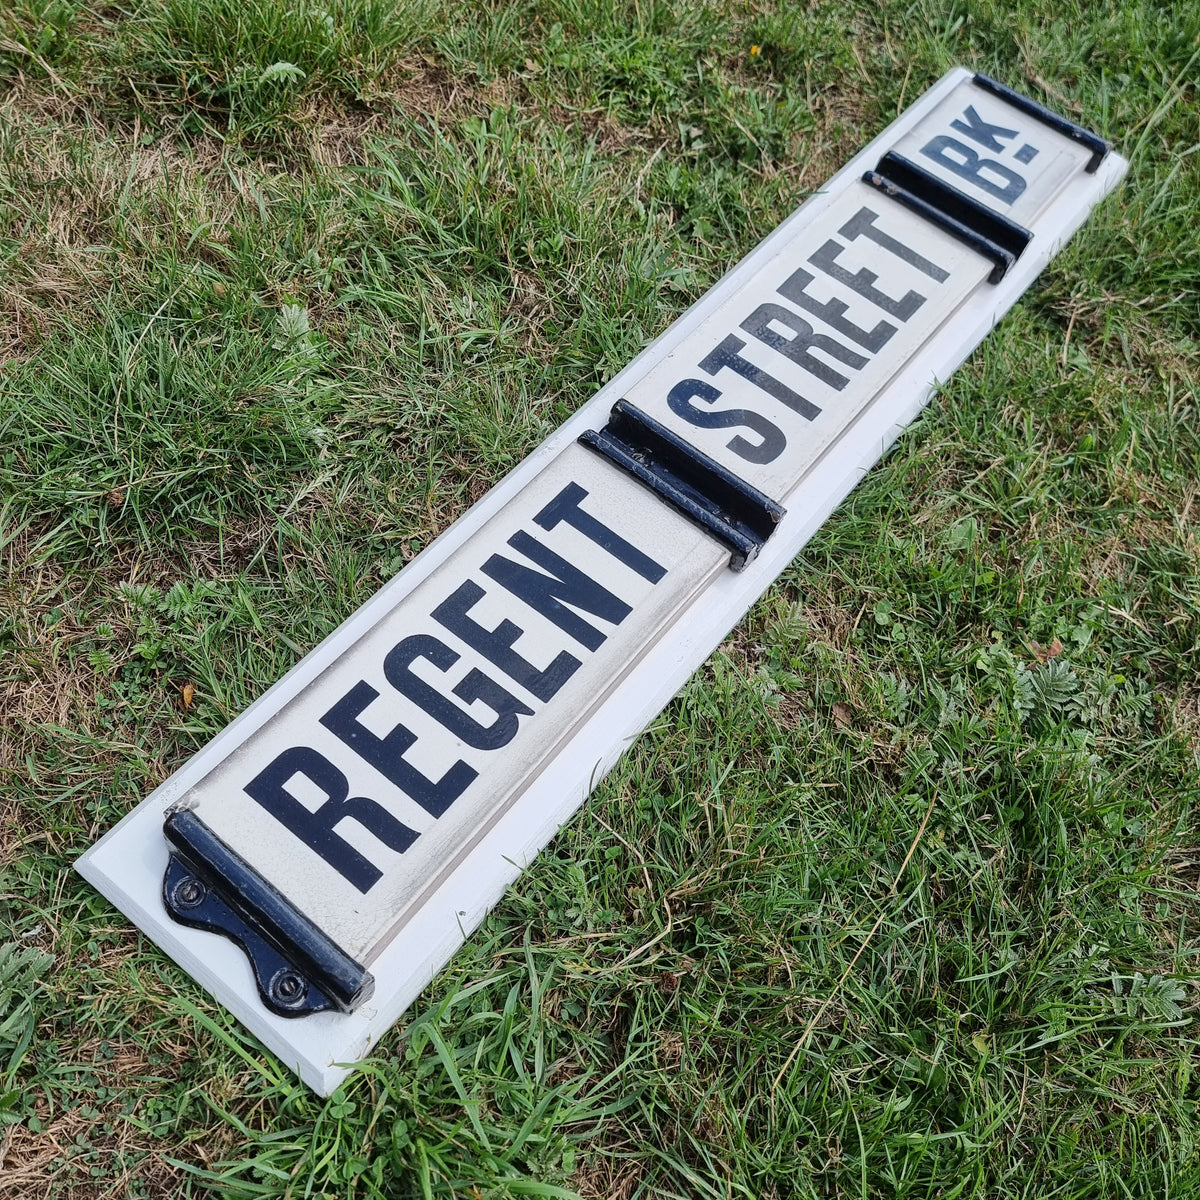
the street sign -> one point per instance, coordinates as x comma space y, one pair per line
349, 830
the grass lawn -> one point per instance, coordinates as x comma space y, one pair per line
285, 285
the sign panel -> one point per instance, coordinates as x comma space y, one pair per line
364, 791
998, 155
769, 381
354, 825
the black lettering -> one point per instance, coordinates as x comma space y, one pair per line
728, 354
863, 282
863, 222
962, 161
496, 645
475, 685
978, 130
832, 312
565, 507
386, 754
543, 593
773, 441
802, 343
315, 828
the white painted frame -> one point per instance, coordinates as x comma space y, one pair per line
127, 864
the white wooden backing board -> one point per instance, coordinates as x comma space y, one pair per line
857, 395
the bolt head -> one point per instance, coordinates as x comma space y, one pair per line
288, 988
189, 892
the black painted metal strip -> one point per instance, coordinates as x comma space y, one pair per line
996, 228
736, 514
743, 547
1001, 258
1039, 112
298, 969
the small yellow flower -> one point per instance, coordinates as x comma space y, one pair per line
755, 51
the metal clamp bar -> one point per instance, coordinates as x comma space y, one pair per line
730, 509
297, 968
1039, 112
990, 234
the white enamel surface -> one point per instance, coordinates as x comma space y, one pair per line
1019, 149
361, 922
963, 270
127, 864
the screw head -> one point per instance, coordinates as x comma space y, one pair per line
189, 892
288, 988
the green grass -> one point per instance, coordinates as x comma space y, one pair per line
883, 905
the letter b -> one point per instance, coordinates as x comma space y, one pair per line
993, 177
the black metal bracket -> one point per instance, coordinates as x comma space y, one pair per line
297, 968
988, 233
715, 498
1039, 112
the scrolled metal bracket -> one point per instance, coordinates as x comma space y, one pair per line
297, 969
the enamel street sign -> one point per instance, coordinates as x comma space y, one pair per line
346, 833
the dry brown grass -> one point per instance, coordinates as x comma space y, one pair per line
609, 1177
76, 182
82, 1150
